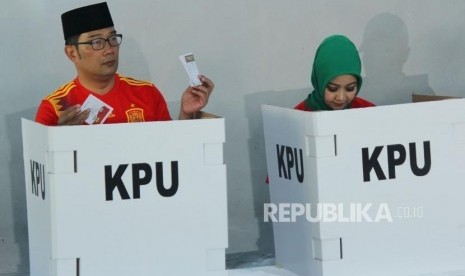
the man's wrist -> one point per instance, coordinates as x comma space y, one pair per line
187, 116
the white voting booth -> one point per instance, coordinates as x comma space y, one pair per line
373, 191
126, 199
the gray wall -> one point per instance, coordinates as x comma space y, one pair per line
256, 52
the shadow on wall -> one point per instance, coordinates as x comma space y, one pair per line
384, 52
256, 149
17, 182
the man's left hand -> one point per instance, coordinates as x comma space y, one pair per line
195, 98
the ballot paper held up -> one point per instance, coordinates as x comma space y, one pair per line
190, 66
99, 110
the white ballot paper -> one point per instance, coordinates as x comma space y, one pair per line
99, 110
189, 64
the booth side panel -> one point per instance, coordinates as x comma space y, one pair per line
38, 197
291, 163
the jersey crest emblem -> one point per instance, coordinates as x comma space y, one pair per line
135, 115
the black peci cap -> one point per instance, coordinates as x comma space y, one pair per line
86, 19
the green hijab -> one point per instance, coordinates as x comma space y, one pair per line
335, 56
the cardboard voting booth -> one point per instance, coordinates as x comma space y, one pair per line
372, 191
126, 199
418, 97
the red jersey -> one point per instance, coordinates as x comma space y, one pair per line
132, 101
356, 103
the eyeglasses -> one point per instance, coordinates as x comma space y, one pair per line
100, 43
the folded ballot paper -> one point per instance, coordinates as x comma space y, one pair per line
99, 110
189, 64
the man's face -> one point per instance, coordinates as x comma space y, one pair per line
91, 63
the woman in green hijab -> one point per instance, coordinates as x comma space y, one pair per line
336, 77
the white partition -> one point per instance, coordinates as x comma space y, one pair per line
373, 191
126, 199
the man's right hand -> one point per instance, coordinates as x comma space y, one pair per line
73, 116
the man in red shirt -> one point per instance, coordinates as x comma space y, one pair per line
92, 44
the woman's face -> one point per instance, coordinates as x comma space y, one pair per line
340, 91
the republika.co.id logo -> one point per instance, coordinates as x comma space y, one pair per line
339, 212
